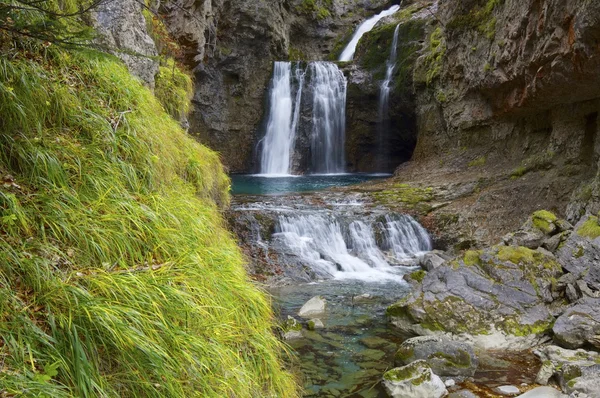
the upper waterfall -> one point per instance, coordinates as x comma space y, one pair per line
312, 97
278, 143
363, 28
328, 86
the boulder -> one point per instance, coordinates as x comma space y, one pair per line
579, 325
445, 357
498, 298
580, 253
540, 226
577, 371
315, 323
292, 329
415, 380
314, 306
543, 392
431, 261
507, 390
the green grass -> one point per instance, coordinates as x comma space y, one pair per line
117, 276
590, 228
174, 89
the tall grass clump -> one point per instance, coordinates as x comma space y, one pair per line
117, 276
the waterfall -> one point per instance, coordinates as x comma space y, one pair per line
328, 86
278, 143
365, 27
344, 250
384, 96
384, 91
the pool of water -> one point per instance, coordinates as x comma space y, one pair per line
247, 184
348, 357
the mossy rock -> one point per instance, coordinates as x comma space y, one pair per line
590, 229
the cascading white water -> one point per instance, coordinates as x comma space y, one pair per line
327, 105
328, 85
278, 143
365, 27
384, 89
343, 251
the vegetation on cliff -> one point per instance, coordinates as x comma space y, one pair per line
117, 276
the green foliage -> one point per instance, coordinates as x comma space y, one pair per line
418, 276
173, 89
534, 163
33, 23
480, 161
590, 228
117, 276
544, 220
434, 60
479, 18
318, 8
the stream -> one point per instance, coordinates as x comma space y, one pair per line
334, 246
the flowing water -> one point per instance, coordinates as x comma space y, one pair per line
363, 28
278, 143
335, 245
325, 85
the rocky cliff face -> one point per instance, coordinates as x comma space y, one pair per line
505, 97
231, 46
122, 28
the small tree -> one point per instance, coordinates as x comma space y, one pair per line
58, 22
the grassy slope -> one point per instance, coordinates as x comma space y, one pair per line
117, 277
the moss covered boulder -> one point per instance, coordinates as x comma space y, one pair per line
497, 298
415, 380
579, 254
445, 357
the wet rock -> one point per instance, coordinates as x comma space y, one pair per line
445, 357
507, 390
370, 355
542, 392
374, 342
292, 329
462, 394
362, 298
314, 306
450, 383
579, 325
497, 298
415, 380
315, 323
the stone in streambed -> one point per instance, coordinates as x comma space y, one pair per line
543, 392
292, 329
445, 357
415, 380
577, 371
314, 306
374, 342
507, 390
315, 323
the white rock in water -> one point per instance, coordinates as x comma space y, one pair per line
507, 390
450, 383
314, 306
315, 323
415, 380
543, 392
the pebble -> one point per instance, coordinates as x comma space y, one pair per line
507, 390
